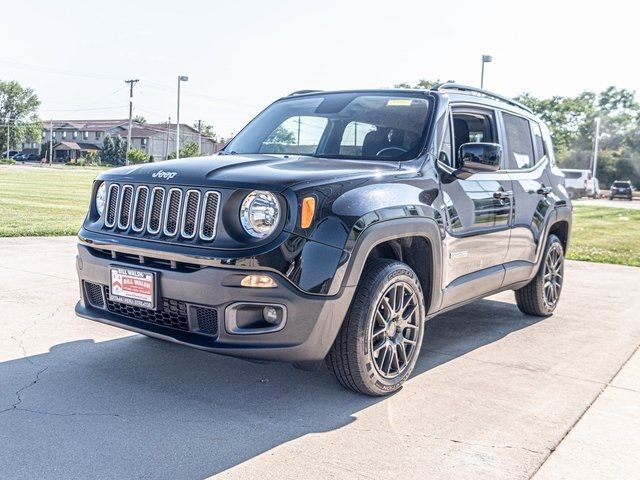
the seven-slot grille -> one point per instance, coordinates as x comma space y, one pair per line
174, 212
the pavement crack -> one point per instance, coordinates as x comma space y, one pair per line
21, 390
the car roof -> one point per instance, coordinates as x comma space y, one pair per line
455, 93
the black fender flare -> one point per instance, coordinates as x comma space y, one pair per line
348, 274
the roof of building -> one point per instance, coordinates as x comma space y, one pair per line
76, 146
85, 124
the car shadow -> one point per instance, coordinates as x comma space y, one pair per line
139, 407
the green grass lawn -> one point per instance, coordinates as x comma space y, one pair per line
44, 201
54, 201
605, 235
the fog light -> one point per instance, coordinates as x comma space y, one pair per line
270, 315
258, 281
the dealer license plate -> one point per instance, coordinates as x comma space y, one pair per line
133, 287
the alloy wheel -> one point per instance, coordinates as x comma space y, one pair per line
395, 329
553, 274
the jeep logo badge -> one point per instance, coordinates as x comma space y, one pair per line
163, 174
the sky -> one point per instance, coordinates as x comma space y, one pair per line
241, 55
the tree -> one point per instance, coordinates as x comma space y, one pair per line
137, 156
18, 108
119, 150
206, 130
189, 149
422, 83
571, 121
140, 119
108, 151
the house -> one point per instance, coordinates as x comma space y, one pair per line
76, 138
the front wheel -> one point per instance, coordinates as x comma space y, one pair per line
379, 342
540, 296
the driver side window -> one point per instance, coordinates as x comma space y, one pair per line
472, 126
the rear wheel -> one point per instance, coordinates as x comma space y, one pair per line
540, 296
379, 342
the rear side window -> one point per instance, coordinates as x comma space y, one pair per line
538, 143
519, 142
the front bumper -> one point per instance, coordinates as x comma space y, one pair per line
312, 322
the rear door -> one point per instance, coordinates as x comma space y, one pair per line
527, 164
478, 212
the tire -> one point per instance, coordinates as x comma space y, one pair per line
366, 357
540, 297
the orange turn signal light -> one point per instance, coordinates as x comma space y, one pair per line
308, 211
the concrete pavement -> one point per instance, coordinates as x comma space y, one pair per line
495, 394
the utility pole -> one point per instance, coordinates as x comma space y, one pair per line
131, 84
50, 142
596, 145
199, 137
181, 78
8, 135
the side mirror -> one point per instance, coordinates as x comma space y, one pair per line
478, 157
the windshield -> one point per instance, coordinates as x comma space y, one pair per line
620, 185
341, 125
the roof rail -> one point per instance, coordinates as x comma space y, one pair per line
479, 91
302, 92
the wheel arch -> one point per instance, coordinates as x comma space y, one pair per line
416, 242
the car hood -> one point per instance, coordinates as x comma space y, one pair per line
271, 172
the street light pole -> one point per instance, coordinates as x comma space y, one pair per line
181, 78
485, 59
596, 145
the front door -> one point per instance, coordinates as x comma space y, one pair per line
478, 212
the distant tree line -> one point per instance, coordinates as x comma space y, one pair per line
571, 121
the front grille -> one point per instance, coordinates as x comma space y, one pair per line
207, 320
172, 313
166, 212
190, 213
140, 208
172, 213
155, 214
125, 207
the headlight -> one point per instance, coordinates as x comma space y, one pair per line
259, 214
101, 198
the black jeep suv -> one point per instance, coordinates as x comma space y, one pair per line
331, 228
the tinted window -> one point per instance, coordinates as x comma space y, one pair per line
471, 127
519, 142
620, 185
538, 143
395, 127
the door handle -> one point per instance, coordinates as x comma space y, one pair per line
544, 190
500, 194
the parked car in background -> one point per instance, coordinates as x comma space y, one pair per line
12, 153
581, 183
621, 189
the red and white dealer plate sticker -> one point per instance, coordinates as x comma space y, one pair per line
133, 287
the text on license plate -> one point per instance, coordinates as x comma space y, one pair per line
133, 287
